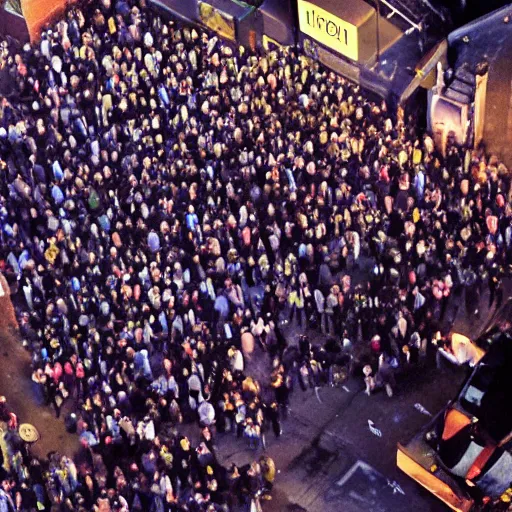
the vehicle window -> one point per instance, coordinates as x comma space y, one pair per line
13, 6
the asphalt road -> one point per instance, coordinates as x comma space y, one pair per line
320, 445
328, 458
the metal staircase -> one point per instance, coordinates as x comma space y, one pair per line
461, 88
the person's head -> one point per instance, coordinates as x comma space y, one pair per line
184, 444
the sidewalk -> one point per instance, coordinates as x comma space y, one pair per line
17, 386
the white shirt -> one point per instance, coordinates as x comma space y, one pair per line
206, 413
237, 362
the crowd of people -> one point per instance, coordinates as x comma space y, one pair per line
170, 205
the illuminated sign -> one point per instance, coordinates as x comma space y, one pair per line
218, 21
328, 29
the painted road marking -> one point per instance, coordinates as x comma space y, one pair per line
373, 429
422, 409
364, 485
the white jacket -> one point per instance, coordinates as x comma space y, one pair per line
206, 413
330, 303
320, 301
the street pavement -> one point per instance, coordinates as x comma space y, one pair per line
328, 458
321, 441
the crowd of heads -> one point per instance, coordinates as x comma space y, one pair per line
169, 202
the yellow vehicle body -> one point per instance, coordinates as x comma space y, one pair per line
432, 483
